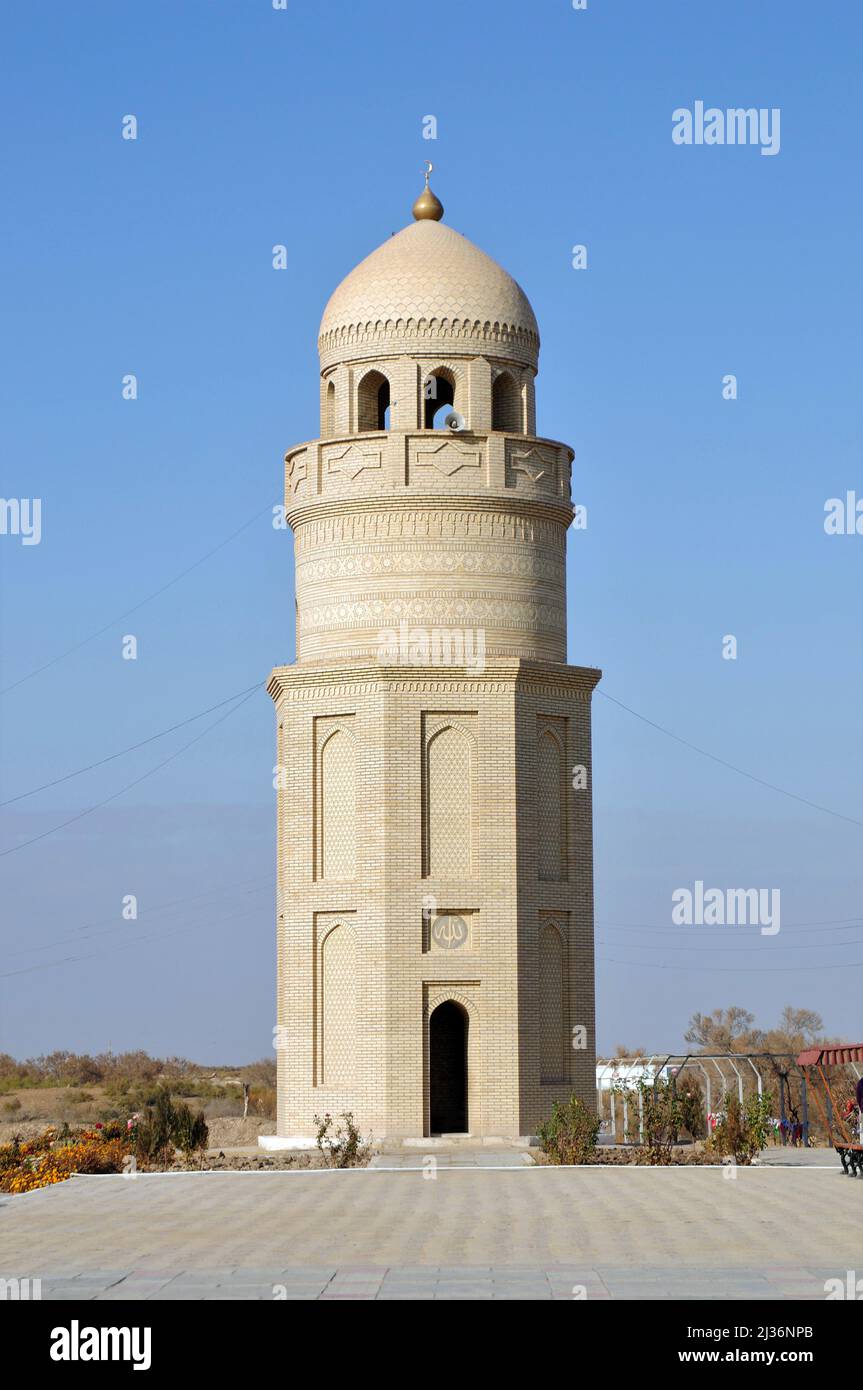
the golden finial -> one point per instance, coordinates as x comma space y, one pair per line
427, 205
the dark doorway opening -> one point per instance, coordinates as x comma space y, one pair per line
448, 1069
439, 393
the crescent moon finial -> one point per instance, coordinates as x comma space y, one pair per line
427, 206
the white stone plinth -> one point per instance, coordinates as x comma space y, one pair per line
286, 1141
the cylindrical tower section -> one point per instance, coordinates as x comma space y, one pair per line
430, 543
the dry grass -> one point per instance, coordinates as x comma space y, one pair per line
108, 1087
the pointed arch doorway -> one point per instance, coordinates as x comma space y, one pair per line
448, 1060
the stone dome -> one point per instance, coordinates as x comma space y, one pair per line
426, 291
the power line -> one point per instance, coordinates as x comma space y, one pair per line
127, 946
795, 928
131, 748
731, 766
267, 881
162, 907
251, 689
606, 960
751, 950
113, 797
731, 970
121, 617
81, 935
686, 743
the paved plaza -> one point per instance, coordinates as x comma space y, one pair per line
469, 1231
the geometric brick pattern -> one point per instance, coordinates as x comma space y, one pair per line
552, 1016
338, 1008
338, 807
551, 810
427, 283
449, 804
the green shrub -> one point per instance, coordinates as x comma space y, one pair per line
570, 1135
664, 1115
190, 1131
742, 1132
692, 1109
126, 1094
168, 1125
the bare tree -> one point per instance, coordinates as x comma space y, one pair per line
725, 1030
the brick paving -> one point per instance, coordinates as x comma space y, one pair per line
466, 1233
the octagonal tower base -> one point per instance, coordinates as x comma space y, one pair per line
435, 901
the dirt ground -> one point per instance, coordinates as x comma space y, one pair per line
28, 1113
685, 1155
220, 1161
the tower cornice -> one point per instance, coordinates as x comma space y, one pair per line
311, 681
320, 509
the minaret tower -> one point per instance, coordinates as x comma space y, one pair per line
435, 897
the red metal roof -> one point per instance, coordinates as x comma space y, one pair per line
831, 1056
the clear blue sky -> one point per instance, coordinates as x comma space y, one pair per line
153, 257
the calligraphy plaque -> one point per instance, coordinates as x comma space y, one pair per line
449, 931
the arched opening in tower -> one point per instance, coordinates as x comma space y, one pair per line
439, 398
373, 402
448, 1032
506, 405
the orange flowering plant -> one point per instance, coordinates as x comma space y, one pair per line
52, 1157
153, 1137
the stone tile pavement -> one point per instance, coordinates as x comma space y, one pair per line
475, 1157
466, 1233
406, 1282
786, 1156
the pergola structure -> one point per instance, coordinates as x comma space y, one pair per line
819, 1060
727, 1070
